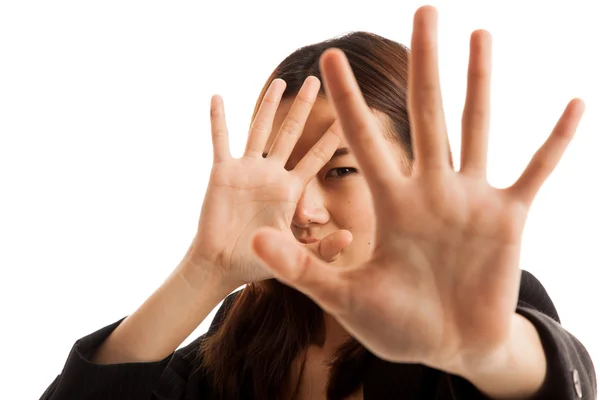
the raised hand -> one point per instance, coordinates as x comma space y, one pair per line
442, 284
252, 192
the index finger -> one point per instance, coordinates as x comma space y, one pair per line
360, 126
319, 154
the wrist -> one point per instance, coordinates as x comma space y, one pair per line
205, 278
516, 371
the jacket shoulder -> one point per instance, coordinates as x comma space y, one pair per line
532, 294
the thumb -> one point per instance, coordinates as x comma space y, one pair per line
297, 267
332, 245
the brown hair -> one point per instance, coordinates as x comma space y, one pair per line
270, 324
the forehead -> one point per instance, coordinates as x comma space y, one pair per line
320, 118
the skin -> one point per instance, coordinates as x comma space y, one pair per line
336, 198
442, 238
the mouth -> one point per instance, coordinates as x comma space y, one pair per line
307, 240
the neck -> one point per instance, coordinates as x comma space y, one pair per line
335, 334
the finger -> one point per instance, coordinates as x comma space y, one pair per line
360, 127
299, 268
476, 115
547, 157
424, 94
263, 122
330, 247
294, 122
220, 135
319, 154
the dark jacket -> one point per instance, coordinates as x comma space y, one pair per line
570, 373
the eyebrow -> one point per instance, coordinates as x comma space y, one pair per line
342, 151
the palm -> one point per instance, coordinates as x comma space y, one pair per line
253, 192
444, 228
442, 284
242, 195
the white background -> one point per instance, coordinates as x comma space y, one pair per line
105, 144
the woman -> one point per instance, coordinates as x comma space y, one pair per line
395, 276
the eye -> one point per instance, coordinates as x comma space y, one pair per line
337, 173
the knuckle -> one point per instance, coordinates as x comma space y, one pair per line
218, 131
427, 91
478, 73
428, 112
427, 104
319, 153
475, 115
343, 96
291, 126
260, 125
304, 102
270, 101
364, 125
540, 161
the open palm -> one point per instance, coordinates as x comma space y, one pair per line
251, 192
243, 195
442, 283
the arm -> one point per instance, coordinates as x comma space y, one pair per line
126, 361
166, 318
540, 361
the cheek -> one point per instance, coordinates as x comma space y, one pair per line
354, 211
352, 207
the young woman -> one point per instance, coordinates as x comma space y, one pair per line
374, 270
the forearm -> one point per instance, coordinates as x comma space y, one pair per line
166, 318
518, 371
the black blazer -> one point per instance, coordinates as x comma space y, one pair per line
570, 373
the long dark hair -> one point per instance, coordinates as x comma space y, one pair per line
270, 324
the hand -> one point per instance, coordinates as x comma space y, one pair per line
251, 192
442, 284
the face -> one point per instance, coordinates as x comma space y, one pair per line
338, 197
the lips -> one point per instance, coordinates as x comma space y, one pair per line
308, 240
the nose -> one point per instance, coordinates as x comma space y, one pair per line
311, 206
